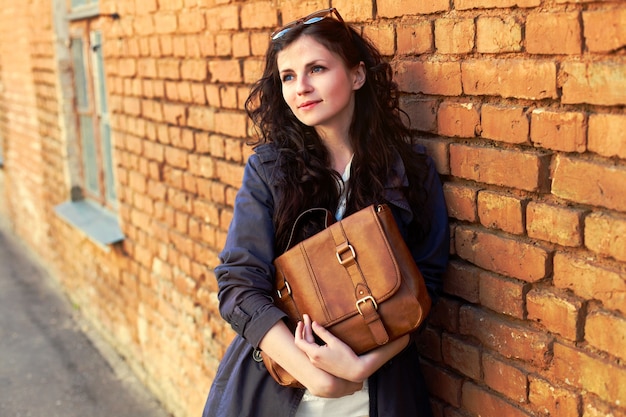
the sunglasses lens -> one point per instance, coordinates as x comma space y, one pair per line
308, 20
313, 20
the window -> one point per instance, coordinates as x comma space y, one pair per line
93, 200
92, 114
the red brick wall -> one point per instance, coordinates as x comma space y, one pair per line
520, 102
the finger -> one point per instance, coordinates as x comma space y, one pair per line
308, 330
323, 334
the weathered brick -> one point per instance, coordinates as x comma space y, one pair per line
605, 234
443, 384
557, 312
550, 400
505, 378
489, 4
591, 280
383, 36
461, 355
481, 402
604, 29
462, 280
509, 339
511, 257
442, 78
493, 166
498, 34
516, 78
559, 131
601, 83
391, 8
580, 369
553, 33
590, 182
422, 112
606, 135
502, 295
458, 119
414, 37
501, 211
561, 225
454, 36
461, 201
504, 124
596, 333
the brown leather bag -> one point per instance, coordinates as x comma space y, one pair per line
356, 278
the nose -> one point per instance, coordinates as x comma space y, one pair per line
304, 85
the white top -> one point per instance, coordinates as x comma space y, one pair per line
354, 405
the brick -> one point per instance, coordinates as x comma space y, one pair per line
391, 8
605, 234
414, 37
551, 400
461, 201
589, 182
515, 78
165, 23
559, 131
383, 36
422, 112
462, 280
604, 29
479, 401
193, 69
231, 123
428, 344
454, 36
443, 384
511, 257
596, 333
437, 148
458, 119
505, 378
258, 15
168, 69
152, 110
201, 117
493, 166
502, 295
461, 355
144, 25
355, 11
561, 225
553, 33
501, 211
556, 311
175, 114
131, 106
606, 135
580, 369
601, 83
504, 124
145, 6
445, 316
498, 34
191, 22
176, 157
509, 339
591, 280
490, 4
225, 71
592, 407
441, 78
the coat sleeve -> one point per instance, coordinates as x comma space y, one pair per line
245, 273
431, 253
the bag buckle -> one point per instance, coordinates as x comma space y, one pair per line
364, 300
342, 250
280, 291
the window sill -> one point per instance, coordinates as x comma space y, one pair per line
84, 12
100, 226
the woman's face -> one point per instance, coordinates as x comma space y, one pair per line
317, 86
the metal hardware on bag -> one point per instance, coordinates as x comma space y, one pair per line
280, 294
363, 300
345, 249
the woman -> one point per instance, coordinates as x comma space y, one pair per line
331, 135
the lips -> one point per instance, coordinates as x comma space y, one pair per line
308, 104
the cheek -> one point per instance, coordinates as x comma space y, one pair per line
288, 95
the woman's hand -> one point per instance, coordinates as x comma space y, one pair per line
336, 358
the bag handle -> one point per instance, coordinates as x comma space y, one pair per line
328, 220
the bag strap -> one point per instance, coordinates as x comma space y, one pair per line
365, 302
329, 219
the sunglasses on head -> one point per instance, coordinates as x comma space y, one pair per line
307, 20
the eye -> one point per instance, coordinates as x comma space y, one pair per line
317, 68
286, 77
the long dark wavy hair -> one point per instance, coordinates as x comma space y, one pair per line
378, 134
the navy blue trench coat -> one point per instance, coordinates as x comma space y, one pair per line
242, 386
